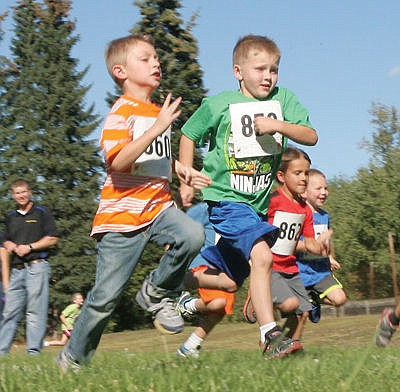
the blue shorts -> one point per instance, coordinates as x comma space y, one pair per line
240, 227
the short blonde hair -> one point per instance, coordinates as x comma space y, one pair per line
117, 51
249, 42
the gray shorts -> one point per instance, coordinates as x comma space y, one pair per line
325, 286
284, 286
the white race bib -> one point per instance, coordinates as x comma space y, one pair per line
156, 160
246, 143
290, 225
319, 229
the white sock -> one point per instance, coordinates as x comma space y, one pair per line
193, 342
265, 328
191, 305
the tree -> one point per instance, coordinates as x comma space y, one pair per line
366, 208
44, 136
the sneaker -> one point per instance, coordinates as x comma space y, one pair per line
315, 313
187, 314
188, 353
65, 363
248, 311
278, 345
385, 329
158, 302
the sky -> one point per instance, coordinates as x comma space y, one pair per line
338, 57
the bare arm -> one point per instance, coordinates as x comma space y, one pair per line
133, 150
298, 133
321, 246
43, 243
186, 154
5, 268
65, 322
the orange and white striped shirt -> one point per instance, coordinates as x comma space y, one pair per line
132, 199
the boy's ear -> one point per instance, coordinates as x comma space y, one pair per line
237, 73
118, 71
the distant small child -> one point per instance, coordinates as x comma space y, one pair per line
290, 212
212, 305
316, 271
68, 317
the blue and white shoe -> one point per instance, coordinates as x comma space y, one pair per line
188, 353
180, 306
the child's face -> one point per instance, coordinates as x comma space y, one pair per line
258, 73
294, 180
142, 69
78, 300
317, 191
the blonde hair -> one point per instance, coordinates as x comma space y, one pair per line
75, 296
117, 50
249, 42
316, 172
18, 183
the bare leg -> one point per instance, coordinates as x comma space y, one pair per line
260, 282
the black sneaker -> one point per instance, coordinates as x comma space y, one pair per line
315, 313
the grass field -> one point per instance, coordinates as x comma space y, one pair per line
340, 355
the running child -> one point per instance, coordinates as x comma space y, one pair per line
316, 272
290, 212
212, 305
136, 204
67, 317
247, 132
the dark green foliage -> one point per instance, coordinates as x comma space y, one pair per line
44, 131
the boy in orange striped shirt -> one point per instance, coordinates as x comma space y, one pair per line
136, 203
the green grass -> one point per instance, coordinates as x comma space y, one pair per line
340, 355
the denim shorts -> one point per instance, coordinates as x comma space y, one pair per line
240, 227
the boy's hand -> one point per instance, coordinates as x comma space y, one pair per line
324, 241
168, 114
191, 177
187, 194
335, 265
263, 125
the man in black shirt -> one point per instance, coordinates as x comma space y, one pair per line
29, 232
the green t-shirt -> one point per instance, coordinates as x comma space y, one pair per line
245, 179
71, 312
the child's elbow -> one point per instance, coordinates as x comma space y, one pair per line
313, 137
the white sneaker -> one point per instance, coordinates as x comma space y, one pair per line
187, 314
188, 353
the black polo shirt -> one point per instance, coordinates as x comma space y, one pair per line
22, 229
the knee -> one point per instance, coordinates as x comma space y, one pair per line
289, 305
230, 286
194, 238
217, 305
339, 298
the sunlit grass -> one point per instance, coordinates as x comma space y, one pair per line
146, 361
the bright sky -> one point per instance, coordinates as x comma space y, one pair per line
338, 57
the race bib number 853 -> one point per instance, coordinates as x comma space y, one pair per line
246, 143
